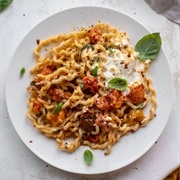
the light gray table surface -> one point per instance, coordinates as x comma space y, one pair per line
17, 161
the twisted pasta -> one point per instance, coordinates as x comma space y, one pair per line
71, 99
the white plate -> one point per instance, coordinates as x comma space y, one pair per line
130, 147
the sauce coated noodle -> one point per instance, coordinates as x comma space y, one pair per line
67, 101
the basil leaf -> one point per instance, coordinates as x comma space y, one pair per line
95, 71
22, 71
58, 108
87, 46
4, 4
95, 59
140, 106
56, 131
149, 46
117, 83
110, 49
88, 157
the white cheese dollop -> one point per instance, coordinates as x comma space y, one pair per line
121, 66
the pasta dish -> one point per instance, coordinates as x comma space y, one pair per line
89, 88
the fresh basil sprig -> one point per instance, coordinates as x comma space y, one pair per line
4, 4
22, 71
87, 46
95, 71
58, 108
149, 46
88, 157
118, 83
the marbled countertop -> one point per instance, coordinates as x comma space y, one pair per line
17, 161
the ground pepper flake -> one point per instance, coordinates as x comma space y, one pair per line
37, 41
125, 66
129, 55
30, 141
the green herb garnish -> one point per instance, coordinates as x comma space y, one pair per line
87, 46
95, 59
139, 106
149, 46
82, 140
88, 157
79, 80
58, 108
56, 131
4, 4
110, 49
22, 71
117, 83
95, 71
33, 83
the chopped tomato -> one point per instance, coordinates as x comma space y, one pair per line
46, 70
113, 100
37, 107
116, 98
94, 35
102, 120
136, 94
136, 116
87, 121
57, 118
92, 138
103, 102
67, 94
53, 118
61, 116
59, 94
91, 83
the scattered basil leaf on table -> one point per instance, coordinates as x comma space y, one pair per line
22, 71
95, 71
58, 108
149, 46
4, 4
118, 83
88, 157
